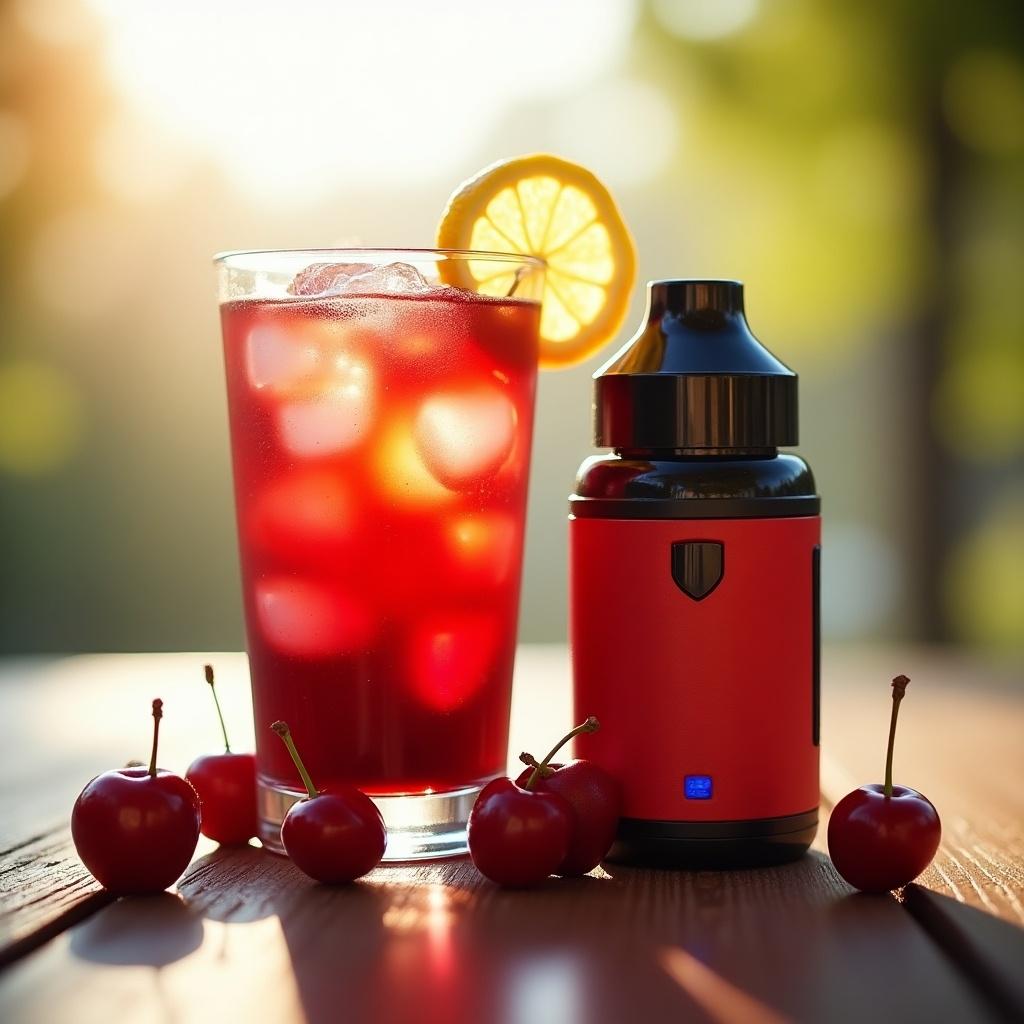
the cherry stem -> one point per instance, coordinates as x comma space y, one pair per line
208, 672
590, 725
158, 713
899, 691
282, 730
546, 771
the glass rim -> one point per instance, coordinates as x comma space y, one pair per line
225, 258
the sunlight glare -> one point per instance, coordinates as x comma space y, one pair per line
296, 106
705, 19
722, 1001
548, 987
134, 162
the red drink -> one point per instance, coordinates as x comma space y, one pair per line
381, 448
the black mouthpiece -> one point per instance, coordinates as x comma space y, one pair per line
694, 377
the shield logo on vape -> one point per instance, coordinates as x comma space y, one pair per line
697, 566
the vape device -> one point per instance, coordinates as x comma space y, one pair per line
694, 590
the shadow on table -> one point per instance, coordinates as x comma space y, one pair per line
985, 947
151, 931
983, 952
333, 935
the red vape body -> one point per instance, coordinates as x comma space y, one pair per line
694, 592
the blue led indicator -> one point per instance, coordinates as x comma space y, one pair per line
697, 787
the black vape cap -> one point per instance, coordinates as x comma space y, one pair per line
694, 376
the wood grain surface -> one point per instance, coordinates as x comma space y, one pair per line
247, 936
43, 890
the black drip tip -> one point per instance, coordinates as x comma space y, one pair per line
707, 298
694, 376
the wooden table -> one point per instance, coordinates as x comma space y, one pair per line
246, 937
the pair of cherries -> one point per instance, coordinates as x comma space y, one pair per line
136, 828
334, 836
555, 819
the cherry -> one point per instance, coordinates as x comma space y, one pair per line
335, 835
596, 801
136, 829
520, 833
882, 837
517, 837
226, 784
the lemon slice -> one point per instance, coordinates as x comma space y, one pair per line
547, 207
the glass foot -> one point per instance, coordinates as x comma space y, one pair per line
421, 826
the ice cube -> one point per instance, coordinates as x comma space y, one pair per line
359, 279
390, 279
324, 278
402, 475
277, 359
308, 619
465, 437
332, 422
335, 418
303, 517
483, 547
450, 657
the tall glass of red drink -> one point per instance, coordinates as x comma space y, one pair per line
380, 433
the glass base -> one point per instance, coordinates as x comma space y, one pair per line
421, 826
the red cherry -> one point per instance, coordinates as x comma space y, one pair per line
226, 784
333, 836
878, 843
881, 837
136, 829
596, 802
336, 836
519, 833
517, 837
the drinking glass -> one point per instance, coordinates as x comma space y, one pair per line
381, 422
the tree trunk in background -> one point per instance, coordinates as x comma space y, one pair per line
932, 529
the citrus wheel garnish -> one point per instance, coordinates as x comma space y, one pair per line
560, 212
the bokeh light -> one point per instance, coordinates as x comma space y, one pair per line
41, 418
705, 19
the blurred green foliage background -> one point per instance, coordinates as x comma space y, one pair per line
859, 165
